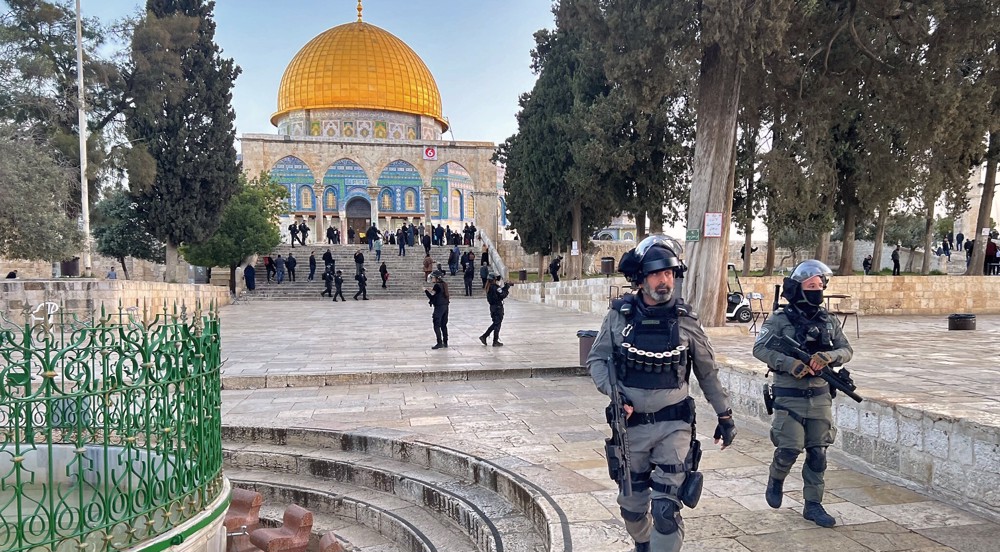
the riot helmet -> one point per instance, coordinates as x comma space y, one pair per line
792, 288
653, 254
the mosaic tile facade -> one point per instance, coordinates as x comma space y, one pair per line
359, 124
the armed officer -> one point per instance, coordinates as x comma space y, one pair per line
802, 401
654, 341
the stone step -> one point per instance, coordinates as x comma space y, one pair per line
497, 509
353, 535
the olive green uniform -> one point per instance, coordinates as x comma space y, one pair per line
801, 422
660, 443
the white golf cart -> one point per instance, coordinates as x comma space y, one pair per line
738, 304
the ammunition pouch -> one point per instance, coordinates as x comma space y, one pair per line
613, 452
689, 492
768, 399
694, 455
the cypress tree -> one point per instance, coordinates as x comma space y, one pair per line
182, 168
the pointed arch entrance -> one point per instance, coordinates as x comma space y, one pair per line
359, 214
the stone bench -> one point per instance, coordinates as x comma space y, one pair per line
242, 518
292, 536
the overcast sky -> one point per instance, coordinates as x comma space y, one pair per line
478, 51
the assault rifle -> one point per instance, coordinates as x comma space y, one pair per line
616, 448
839, 380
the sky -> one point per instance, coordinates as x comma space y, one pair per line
478, 51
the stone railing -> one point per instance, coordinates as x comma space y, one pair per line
869, 295
82, 295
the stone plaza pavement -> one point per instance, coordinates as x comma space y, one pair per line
364, 365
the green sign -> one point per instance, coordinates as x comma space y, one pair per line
693, 235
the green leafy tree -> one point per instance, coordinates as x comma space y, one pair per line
182, 167
119, 232
38, 85
247, 227
35, 188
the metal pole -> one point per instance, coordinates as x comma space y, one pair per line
82, 113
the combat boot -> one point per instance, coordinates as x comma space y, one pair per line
814, 512
774, 492
642, 546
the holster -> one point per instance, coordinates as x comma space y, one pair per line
613, 452
768, 399
690, 490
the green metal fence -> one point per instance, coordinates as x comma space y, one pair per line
109, 428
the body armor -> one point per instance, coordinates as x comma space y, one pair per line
650, 355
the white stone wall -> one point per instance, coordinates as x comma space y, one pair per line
83, 296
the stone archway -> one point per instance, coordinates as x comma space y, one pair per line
359, 214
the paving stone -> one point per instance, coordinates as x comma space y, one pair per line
965, 538
925, 515
886, 536
813, 540
878, 495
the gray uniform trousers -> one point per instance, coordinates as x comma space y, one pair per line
788, 433
665, 443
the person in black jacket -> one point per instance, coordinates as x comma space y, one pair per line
439, 299
293, 230
338, 281
328, 280
312, 266
383, 271
495, 296
290, 263
328, 261
362, 285
468, 276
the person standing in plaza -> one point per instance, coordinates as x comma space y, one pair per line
312, 266
867, 265
425, 241
330, 234
378, 249
112, 275
336, 236
291, 262
495, 295
383, 271
439, 298
640, 328
484, 273
350, 235
279, 269
428, 266
959, 238
554, 267
359, 262
467, 276
338, 281
401, 242
969, 244
250, 277
803, 417
362, 285
895, 261
293, 231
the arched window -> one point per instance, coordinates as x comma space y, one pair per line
470, 206
456, 203
410, 200
306, 197
385, 203
330, 200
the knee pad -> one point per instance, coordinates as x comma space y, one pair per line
816, 459
784, 458
633, 517
666, 516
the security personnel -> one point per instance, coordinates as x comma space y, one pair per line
495, 294
802, 401
654, 341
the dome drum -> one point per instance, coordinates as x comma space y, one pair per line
359, 124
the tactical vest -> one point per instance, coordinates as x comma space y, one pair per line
650, 355
815, 334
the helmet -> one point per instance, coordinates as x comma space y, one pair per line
437, 274
807, 269
653, 254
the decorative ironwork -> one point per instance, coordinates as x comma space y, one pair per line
110, 429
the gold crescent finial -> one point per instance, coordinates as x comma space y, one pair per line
359, 11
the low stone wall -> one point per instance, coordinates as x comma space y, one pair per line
956, 459
82, 296
870, 295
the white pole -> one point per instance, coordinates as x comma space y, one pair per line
82, 112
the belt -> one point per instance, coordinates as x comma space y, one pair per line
681, 411
801, 393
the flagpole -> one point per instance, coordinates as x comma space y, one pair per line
82, 114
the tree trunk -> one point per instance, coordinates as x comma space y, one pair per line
769, 263
656, 221
640, 225
925, 266
823, 247
713, 181
121, 261
883, 216
847, 246
576, 261
172, 262
909, 263
232, 278
985, 206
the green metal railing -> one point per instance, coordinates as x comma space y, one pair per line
110, 429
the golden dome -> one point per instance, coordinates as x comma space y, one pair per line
358, 66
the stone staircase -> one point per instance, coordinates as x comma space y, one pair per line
380, 491
406, 274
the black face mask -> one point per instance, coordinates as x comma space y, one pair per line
813, 297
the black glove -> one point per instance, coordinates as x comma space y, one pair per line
726, 430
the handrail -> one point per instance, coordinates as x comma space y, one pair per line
496, 262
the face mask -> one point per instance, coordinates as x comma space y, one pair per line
813, 297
